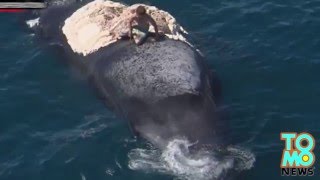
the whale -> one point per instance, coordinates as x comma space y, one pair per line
164, 89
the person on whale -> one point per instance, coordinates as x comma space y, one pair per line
142, 22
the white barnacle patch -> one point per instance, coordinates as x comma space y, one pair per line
100, 23
87, 34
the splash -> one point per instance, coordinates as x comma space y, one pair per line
177, 160
33, 22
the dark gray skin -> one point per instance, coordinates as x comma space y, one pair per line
185, 115
159, 111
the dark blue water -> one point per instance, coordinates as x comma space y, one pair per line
267, 54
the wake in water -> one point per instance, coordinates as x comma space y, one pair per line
176, 159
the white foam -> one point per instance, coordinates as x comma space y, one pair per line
83, 177
112, 18
33, 22
245, 159
177, 160
62, 2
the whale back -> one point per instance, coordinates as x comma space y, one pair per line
150, 72
164, 88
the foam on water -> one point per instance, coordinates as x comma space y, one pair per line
63, 2
33, 22
176, 159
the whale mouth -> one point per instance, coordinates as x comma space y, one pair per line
178, 160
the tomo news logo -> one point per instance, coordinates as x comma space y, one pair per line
297, 156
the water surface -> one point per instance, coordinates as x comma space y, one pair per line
266, 53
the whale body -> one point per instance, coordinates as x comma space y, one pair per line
164, 89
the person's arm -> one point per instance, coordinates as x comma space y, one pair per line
130, 27
154, 24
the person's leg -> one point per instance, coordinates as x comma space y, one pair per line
124, 36
152, 34
142, 39
160, 35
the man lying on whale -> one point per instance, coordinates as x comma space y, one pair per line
141, 29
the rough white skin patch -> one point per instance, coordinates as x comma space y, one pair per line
88, 34
99, 24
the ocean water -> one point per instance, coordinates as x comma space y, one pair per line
266, 53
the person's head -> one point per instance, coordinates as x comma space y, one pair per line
140, 11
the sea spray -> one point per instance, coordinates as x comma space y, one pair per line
33, 22
177, 160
